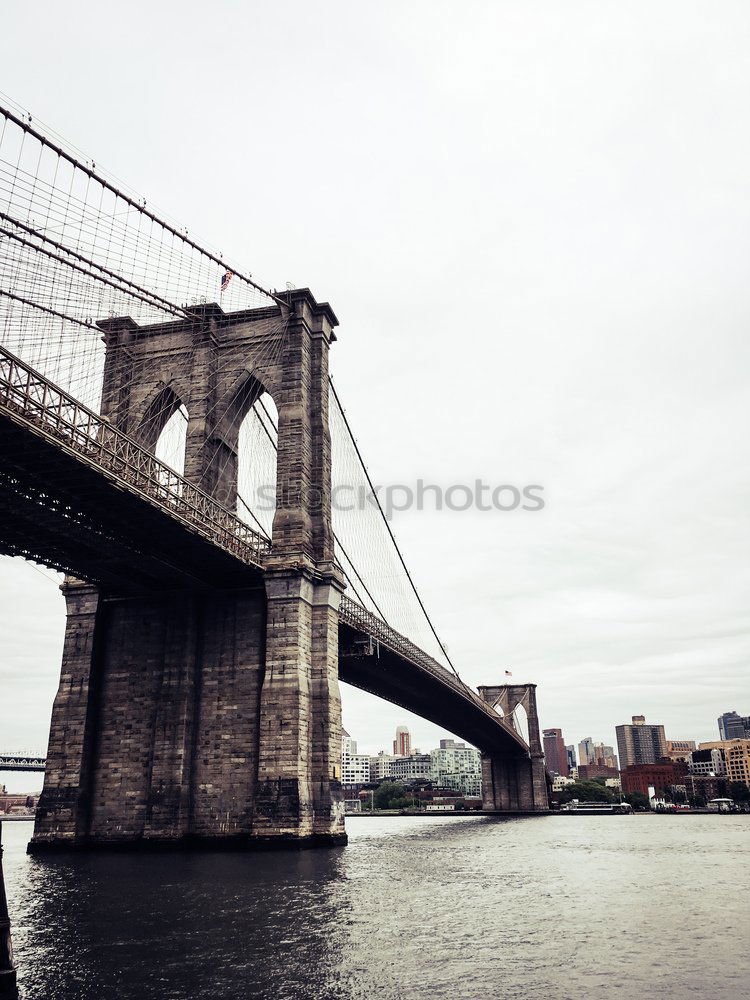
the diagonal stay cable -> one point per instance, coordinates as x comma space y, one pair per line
390, 532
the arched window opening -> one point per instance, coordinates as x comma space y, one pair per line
521, 722
170, 445
256, 465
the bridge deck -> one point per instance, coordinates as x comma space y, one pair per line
21, 762
78, 495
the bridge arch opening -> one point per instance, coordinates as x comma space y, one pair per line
172, 440
158, 413
257, 464
521, 722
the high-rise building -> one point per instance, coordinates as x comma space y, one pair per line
402, 743
586, 751
604, 756
455, 759
570, 750
734, 727
348, 745
555, 754
639, 743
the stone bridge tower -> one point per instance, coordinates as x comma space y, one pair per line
194, 715
515, 783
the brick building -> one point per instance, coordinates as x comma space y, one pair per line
588, 771
555, 754
661, 775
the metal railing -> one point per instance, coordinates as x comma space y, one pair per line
27, 394
22, 762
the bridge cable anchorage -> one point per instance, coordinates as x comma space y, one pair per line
390, 531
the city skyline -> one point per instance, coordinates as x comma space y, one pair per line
437, 734
615, 301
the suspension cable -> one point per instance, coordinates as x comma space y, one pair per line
385, 519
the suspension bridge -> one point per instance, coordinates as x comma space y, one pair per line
171, 439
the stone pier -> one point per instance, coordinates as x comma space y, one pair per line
200, 715
515, 782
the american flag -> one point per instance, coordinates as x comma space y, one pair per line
508, 673
225, 279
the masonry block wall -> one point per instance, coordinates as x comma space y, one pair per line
515, 782
211, 715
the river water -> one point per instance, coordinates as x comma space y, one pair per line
436, 907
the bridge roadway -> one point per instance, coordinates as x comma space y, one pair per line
21, 762
79, 496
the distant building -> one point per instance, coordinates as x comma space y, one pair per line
705, 786
605, 755
586, 751
467, 783
412, 767
355, 769
737, 759
570, 750
560, 781
680, 749
590, 752
381, 766
661, 776
458, 758
588, 771
736, 754
402, 743
639, 743
734, 727
708, 762
555, 754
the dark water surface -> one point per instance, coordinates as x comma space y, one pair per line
630, 907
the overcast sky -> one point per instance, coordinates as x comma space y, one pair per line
533, 221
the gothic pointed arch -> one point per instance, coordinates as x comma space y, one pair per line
158, 408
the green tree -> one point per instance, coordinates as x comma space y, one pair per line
637, 800
586, 791
392, 795
739, 791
